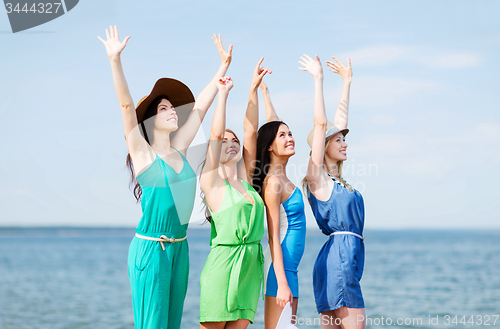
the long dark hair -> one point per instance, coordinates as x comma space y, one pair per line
265, 137
146, 128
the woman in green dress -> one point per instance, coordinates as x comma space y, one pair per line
231, 279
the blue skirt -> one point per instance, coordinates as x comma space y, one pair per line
337, 272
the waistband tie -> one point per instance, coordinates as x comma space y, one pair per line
234, 299
161, 239
348, 233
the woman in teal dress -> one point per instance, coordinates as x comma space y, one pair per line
231, 279
158, 132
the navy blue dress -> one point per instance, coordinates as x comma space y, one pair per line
339, 266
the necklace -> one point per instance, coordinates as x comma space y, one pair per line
339, 182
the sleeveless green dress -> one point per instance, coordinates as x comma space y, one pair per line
158, 277
231, 279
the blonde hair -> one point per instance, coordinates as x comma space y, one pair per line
339, 170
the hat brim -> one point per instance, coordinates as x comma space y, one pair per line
328, 134
177, 93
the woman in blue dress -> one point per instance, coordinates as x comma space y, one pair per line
286, 219
337, 207
158, 132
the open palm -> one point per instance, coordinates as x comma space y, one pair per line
112, 43
312, 66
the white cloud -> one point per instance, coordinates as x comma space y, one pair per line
454, 61
380, 91
379, 55
426, 56
383, 120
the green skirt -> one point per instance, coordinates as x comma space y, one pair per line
230, 283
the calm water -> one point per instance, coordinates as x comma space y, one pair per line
77, 278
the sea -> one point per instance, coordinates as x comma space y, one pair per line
66, 277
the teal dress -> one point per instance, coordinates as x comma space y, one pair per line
159, 277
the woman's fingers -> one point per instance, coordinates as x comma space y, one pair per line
260, 62
303, 59
302, 63
116, 32
107, 35
266, 69
335, 58
98, 37
230, 50
309, 58
317, 59
125, 40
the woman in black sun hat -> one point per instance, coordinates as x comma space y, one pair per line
158, 132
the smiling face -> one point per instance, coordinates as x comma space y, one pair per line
283, 144
166, 117
336, 149
230, 150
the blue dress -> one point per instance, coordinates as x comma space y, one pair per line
292, 239
339, 266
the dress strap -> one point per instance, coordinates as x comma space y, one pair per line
339, 182
182, 155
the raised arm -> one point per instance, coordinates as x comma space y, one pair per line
272, 198
135, 142
187, 132
270, 112
209, 179
315, 173
251, 124
341, 115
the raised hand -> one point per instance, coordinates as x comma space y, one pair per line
224, 84
312, 66
338, 67
225, 57
113, 45
263, 86
258, 74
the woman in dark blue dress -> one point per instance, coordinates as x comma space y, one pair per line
337, 207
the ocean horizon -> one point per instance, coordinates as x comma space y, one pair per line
76, 277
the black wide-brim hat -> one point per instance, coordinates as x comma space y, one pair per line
177, 93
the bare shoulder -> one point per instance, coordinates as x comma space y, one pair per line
272, 188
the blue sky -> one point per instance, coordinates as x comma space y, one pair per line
424, 113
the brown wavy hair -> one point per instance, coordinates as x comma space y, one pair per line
208, 217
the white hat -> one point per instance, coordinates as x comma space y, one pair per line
330, 131
285, 321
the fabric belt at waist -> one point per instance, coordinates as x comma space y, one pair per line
161, 239
234, 300
348, 233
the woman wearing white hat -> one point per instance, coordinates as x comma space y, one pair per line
337, 207
158, 262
